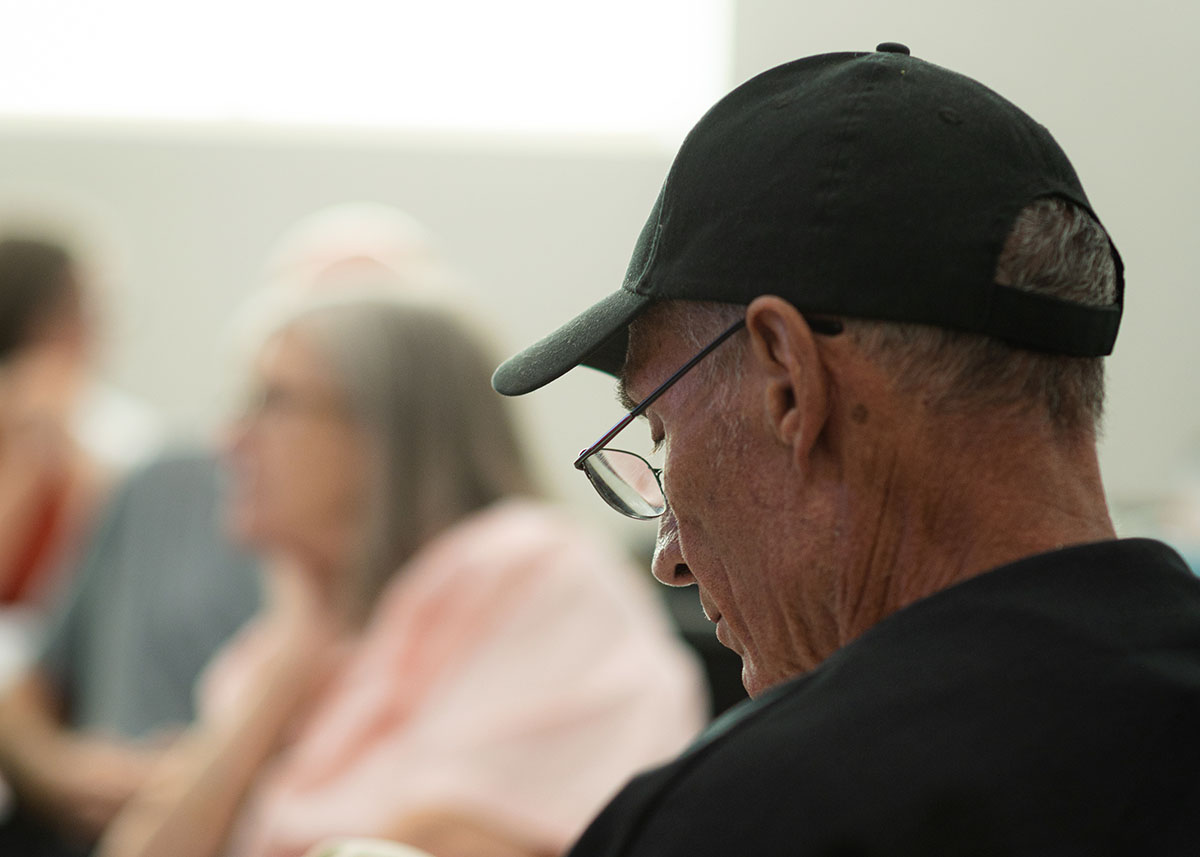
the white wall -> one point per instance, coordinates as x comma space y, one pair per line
545, 228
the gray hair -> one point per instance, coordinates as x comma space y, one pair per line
1054, 248
417, 378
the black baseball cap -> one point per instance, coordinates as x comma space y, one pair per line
871, 185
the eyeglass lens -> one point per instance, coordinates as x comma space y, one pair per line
626, 482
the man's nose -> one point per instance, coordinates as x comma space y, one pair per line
669, 566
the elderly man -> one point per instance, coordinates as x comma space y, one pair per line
884, 483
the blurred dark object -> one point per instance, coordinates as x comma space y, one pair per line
25, 835
38, 282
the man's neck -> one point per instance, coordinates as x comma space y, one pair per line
934, 515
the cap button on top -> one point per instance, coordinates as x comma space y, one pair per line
893, 48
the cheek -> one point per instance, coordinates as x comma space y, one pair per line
719, 520
340, 482
310, 480
705, 486
330, 480
698, 529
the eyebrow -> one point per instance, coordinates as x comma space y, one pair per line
633, 362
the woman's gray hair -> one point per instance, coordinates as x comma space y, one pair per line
1054, 248
416, 374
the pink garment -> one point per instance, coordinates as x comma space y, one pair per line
515, 669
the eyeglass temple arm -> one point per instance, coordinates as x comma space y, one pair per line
824, 326
641, 407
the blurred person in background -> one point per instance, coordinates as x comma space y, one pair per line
357, 243
159, 590
50, 483
64, 435
53, 470
160, 587
443, 659
87, 568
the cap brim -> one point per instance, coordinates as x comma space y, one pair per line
596, 338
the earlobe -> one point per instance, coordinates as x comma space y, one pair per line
786, 357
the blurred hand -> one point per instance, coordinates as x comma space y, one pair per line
303, 640
37, 398
86, 781
302, 619
37, 453
41, 385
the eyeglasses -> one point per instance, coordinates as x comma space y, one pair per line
626, 481
278, 402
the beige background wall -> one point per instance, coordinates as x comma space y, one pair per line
543, 227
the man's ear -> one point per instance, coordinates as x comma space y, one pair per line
795, 394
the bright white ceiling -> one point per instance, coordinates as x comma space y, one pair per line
623, 66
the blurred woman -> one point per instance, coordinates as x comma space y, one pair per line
49, 485
444, 660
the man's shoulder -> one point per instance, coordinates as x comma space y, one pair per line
978, 708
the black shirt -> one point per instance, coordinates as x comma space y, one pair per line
1048, 707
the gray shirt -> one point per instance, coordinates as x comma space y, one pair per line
159, 591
